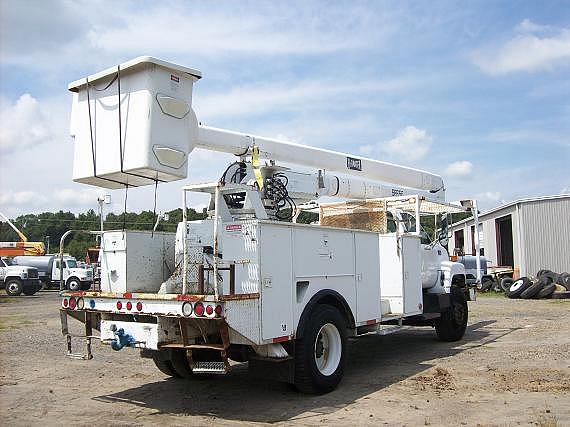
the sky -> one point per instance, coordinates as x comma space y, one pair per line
478, 92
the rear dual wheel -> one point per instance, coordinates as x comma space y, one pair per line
174, 363
320, 353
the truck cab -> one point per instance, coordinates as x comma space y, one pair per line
18, 279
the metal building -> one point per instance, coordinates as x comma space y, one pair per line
527, 234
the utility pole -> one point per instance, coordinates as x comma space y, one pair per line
106, 199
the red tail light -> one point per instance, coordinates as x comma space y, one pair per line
199, 309
72, 303
65, 302
119, 305
129, 305
139, 306
218, 310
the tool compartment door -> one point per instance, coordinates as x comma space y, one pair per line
367, 276
276, 281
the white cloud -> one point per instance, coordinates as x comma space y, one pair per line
459, 168
292, 96
84, 31
21, 198
526, 52
25, 124
489, 196
78, 197
527, 26
411, 144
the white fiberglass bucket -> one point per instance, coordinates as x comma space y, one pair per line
155, 122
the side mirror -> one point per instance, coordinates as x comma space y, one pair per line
443, 232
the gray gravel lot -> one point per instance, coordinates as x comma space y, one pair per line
512, 368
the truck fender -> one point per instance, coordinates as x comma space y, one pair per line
452, 272
329, 297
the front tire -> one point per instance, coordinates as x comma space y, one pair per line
74, 284
14, 287
321, 353
453, 322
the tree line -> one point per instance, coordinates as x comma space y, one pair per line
48, 227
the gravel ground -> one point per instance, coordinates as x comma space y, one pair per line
512, 368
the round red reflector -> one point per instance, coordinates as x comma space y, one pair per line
119, 305
209, 310
199, 309
72, 303
129, 305
139, 306
218, 310
65, 302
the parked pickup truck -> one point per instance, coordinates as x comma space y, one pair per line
18, 279
75, 278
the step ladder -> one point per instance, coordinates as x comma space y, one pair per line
206, 367
88, 336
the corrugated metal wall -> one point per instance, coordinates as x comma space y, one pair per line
545, 227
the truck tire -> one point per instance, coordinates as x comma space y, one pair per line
533, 290
180, 363
564, 280
548, 273
453, 322
485, 285
518, 287
14, 287
506, 283
321, 353
546, 291
74, 284
162, 361
561, 295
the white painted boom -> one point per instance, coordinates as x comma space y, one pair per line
226, 141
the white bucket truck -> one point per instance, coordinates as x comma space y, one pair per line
249, 283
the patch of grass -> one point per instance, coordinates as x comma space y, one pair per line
14, 321
490, 294
5, 299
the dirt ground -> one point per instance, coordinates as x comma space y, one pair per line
512, 368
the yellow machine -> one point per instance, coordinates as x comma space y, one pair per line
23, 247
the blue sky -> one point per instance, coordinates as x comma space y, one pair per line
478, 92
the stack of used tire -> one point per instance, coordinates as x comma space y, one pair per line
547, 284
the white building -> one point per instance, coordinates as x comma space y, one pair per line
527, 234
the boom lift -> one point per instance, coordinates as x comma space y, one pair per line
23, 247
249, 283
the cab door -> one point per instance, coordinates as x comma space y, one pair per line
55, 271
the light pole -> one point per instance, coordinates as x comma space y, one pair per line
106, 199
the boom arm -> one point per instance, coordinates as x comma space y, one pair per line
23, 238
215, 139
